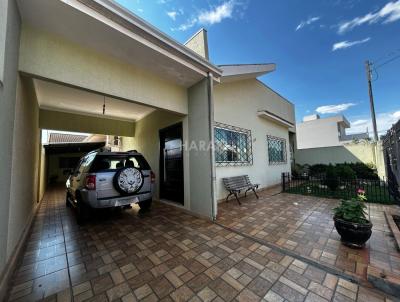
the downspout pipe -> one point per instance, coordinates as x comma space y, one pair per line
210, 89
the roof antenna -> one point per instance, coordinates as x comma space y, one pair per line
104, 105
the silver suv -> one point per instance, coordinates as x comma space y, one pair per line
105, 179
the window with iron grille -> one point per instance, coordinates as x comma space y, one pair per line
276, 150
232, 145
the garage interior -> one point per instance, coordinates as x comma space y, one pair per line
118, 124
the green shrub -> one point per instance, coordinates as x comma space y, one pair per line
331, 178
365, 171
360, 170
345, 172
318, 169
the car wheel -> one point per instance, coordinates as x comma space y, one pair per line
128, 181
145, 204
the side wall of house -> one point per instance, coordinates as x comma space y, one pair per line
237, 104
11, 25
25, 162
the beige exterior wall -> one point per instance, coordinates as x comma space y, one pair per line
3, 30
63, 121
10, 44
146, 141
52, 57
256, 96
363, 151
200, 159
237, 104
25, 162
42, 173
199, 43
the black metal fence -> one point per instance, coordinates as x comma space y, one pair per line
391, 152
378, 191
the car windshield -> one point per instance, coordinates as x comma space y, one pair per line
115, 162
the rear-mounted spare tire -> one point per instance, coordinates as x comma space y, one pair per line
128, 181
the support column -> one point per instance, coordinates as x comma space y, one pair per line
200, 147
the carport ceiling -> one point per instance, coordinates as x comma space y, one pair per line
57, 97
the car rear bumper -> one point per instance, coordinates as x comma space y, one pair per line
116, 201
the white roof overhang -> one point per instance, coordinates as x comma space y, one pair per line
275, 118
231, 73
105, 26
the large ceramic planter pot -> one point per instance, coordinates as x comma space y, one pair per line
353, 235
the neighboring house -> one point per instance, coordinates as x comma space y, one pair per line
91, 66
324, 141
315, 132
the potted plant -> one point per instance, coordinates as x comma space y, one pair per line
351, 221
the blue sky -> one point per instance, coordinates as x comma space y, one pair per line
319, 46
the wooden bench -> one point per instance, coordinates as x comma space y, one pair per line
236, 184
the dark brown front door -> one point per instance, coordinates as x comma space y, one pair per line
171, 163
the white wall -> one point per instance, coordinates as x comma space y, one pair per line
318, 133
237, 104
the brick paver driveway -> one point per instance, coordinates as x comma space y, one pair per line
303, 225
163, 255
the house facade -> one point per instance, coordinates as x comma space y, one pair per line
93, 67
254, 120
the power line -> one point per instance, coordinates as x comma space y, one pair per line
376, 73
388, 61
390, 54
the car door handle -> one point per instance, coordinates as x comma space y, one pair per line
102, 179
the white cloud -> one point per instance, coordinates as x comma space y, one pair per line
389, 13
334, 108
211, 16
384, 122
185, 26
217, 14
307, 22
347, 44
172, 14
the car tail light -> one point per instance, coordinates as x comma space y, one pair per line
91, 182
152, 177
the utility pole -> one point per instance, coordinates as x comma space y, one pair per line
371, 99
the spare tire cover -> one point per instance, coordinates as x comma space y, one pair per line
128, 180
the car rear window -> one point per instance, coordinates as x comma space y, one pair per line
113, 163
